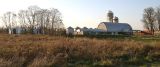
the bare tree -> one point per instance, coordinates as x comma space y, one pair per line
9, 19
46, 23
149, 19
35, 19
42, 20
158, 17
31, 15
55, 16
22, 18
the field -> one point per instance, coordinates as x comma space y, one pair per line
60, 51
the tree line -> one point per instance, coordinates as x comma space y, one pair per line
46, 21
151, 19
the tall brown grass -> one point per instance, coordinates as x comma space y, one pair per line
51, 51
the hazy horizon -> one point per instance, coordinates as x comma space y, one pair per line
87, 13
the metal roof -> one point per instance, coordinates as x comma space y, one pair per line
116, 27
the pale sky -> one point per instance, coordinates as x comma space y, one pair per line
87, 13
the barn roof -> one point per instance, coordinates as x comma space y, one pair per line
116, 27
70, 27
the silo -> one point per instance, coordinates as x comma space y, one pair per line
110, 16
116, 19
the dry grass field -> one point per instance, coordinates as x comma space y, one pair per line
56, 51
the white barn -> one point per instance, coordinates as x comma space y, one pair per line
115, 28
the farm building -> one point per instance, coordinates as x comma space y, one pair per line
115, 28
70, 31
20, 30
104, 28
15, 30
144, 32
75, 31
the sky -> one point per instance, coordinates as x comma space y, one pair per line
87, 13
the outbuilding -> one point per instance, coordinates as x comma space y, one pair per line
70, 31
15, 30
